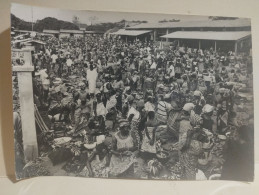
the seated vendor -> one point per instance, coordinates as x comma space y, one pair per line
122, 159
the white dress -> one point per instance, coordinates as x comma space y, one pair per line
91, 78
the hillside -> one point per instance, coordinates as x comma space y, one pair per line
46, 23
55, 24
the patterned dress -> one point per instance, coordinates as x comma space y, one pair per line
121, 166
134, 125
189, 160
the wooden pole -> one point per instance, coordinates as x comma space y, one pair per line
199, 44
215, 46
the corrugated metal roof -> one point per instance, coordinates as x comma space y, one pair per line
130, 32
51, 31
241, 22
71, 31
208, 35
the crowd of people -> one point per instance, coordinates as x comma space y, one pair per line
133, 102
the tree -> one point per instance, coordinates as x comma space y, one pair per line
172, 20
222, 18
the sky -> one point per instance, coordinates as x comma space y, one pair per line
29, 13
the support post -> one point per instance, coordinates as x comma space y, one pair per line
24, 74
215, 46
199, 44
155, 34
167, 32
236, 47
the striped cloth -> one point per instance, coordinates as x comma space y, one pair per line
195, 119
161, 111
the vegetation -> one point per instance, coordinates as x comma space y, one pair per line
46, 23
172, 20
50, 23
222, 18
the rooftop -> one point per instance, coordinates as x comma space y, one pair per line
209, 35
51, 31
241, 22
130, 32
71, 31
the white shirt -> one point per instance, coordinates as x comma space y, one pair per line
43, 75
54, 57
69, 62
172, 73
136, 113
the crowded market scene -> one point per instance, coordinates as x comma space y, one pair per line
111, 107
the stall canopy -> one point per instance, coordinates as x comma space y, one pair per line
130, 32
29, 40
208, 35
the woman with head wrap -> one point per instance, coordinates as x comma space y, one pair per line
185, 124
207, 122
122, 159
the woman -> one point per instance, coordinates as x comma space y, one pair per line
134, 118
207, 118
173, 122
185, 124
148, 146
162, 110
190, 153
122, 159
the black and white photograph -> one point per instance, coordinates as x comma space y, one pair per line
123, 95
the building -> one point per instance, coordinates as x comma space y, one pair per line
237, 41
232, 35
131, 35
51, 32
71, 33
160, 29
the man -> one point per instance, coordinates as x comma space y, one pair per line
91, 78
69, 63
54, 58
